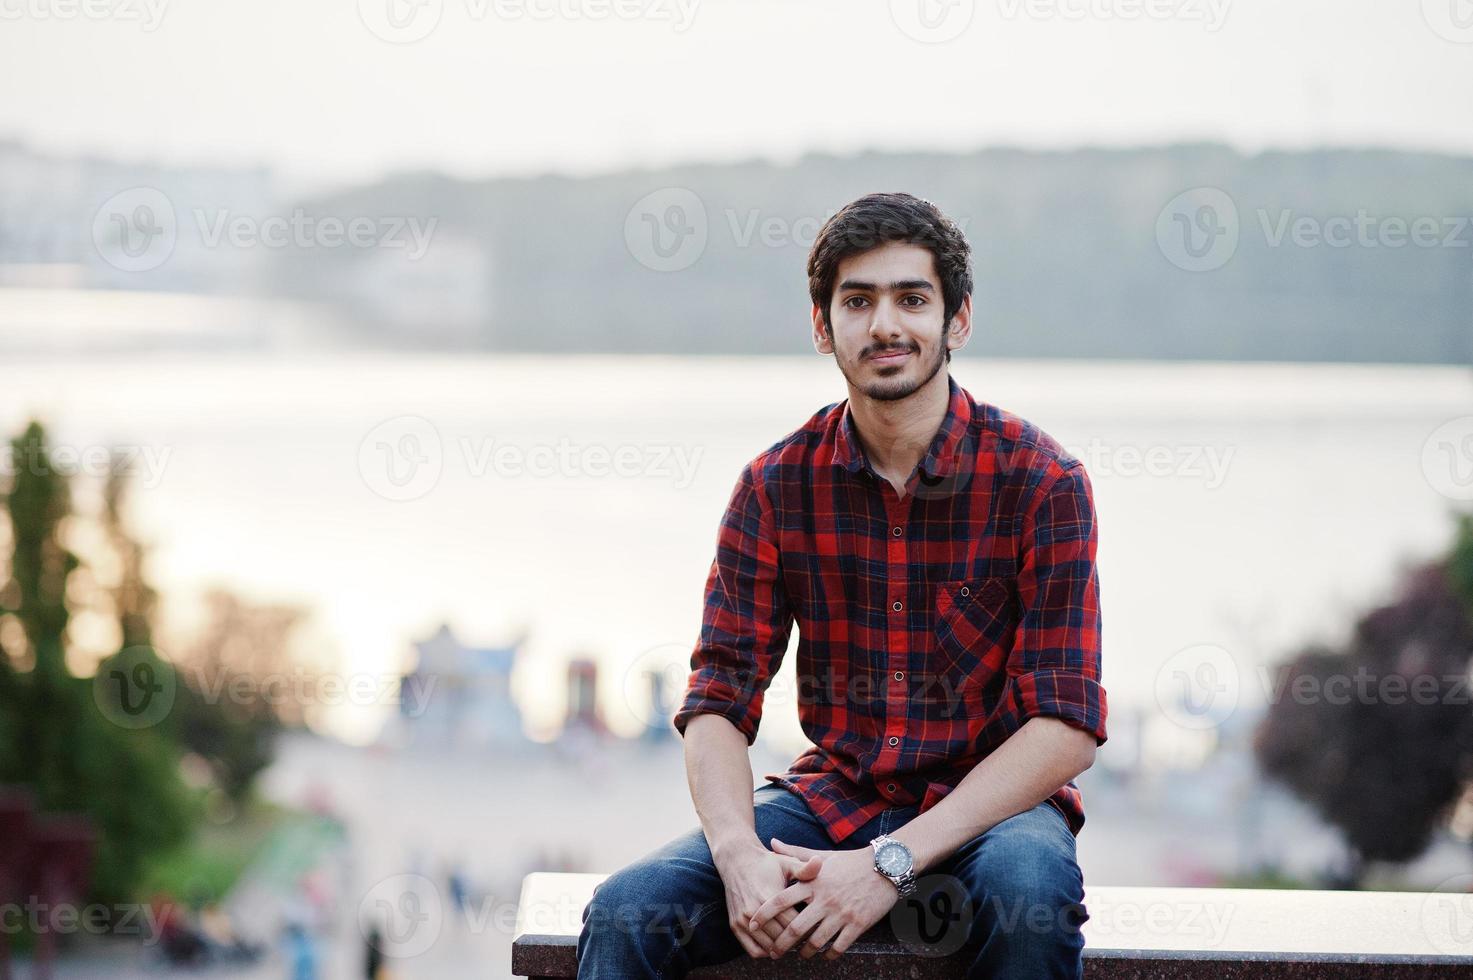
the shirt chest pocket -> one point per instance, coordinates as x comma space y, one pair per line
974, 626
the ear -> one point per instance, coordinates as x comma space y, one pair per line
821, 340
961, 326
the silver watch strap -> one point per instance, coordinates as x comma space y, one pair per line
905, 882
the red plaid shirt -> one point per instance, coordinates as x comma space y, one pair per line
930, 627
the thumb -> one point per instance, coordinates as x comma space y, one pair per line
804, 870
791, 850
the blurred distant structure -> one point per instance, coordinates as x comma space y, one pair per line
460, 695
583, 717
658, 729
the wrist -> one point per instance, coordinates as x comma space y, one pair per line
734, 846
894, 862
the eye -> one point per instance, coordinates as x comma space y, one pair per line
919, 300
851, 302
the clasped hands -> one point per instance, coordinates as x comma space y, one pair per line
842, 893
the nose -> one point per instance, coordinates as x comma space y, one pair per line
884, 327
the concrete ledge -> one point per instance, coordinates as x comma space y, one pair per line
1132, 934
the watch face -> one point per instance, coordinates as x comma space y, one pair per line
893, 858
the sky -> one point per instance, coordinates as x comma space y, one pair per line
344, 91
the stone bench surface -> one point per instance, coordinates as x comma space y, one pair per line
1132, 932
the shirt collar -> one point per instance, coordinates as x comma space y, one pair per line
948, 448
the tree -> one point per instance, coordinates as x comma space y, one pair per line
241, 687
58, 740
1378, 737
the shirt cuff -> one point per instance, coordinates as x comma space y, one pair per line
711, 693
1065, 694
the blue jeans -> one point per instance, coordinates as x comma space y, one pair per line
1014, 895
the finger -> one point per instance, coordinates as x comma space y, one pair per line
826, 930
802, 870
764, 935
785, 899
774, 927
843, 941
796, 930
745, 938
750, 944
792, 850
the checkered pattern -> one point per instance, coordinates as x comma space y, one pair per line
930, 627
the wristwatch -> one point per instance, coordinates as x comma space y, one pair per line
894, 860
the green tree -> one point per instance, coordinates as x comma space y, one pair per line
59, 740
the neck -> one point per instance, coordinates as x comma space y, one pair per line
896, 434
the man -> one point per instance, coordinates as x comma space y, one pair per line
938, 556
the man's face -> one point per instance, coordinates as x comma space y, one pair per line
889, 335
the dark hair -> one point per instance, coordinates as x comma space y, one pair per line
879, 219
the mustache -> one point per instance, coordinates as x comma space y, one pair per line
879, 351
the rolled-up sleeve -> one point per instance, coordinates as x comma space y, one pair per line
747, 616
1054, 666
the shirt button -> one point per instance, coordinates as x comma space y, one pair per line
900, 675
898, 605
894, 740
890, 787
966, 591
896, 531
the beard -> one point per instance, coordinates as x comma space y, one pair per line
907, 379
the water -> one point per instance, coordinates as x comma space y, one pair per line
1266, 504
